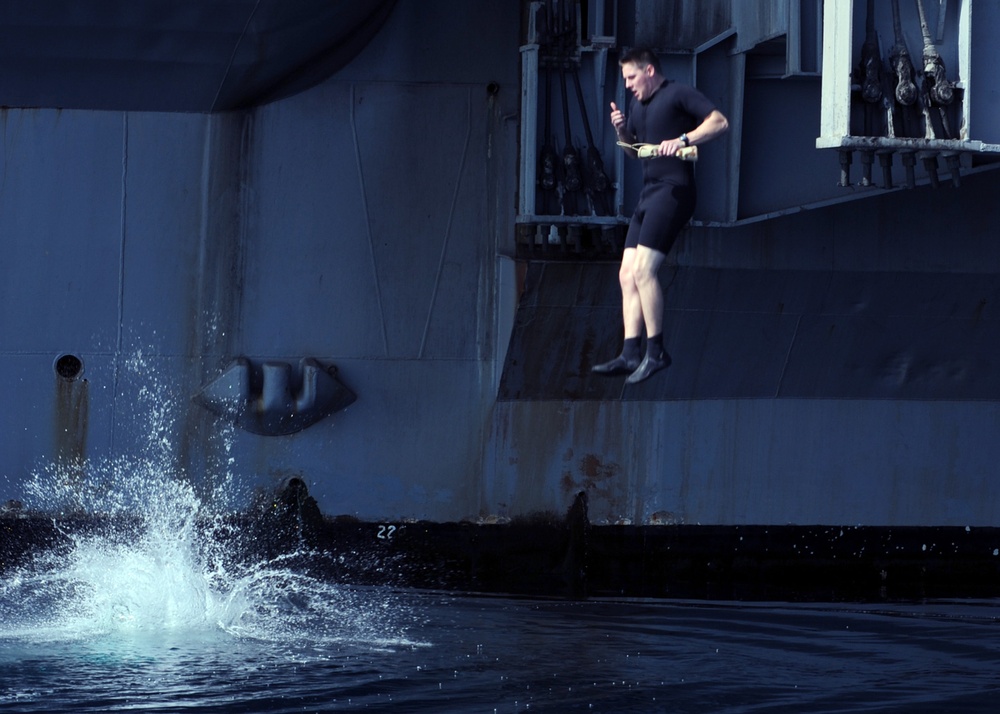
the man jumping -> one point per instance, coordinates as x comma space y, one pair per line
673, 116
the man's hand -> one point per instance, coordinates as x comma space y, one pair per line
617, 119
669, 147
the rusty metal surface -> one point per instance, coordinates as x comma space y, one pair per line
795, 396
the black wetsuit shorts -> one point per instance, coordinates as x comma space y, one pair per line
663, 209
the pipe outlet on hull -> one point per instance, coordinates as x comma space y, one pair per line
273, 398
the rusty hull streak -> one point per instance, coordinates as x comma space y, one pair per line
597, 478
71, 424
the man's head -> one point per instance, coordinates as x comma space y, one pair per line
641, 72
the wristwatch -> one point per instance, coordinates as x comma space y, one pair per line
684, 138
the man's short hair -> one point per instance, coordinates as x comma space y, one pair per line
641, 57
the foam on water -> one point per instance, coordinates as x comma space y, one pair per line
156, 558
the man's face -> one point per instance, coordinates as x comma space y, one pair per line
639, 80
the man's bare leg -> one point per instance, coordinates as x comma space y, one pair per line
646, 276
632, 318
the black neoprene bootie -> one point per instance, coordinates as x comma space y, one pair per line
624, 363
649, 366
619, 365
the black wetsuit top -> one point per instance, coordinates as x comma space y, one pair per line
668, 196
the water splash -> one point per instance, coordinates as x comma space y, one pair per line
139, 552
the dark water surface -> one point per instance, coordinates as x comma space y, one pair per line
439, 653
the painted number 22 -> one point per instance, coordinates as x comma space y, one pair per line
386, 532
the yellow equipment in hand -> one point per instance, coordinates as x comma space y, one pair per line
648, 151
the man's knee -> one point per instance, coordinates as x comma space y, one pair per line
626, 276
626, 272
646, 267
645, 274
